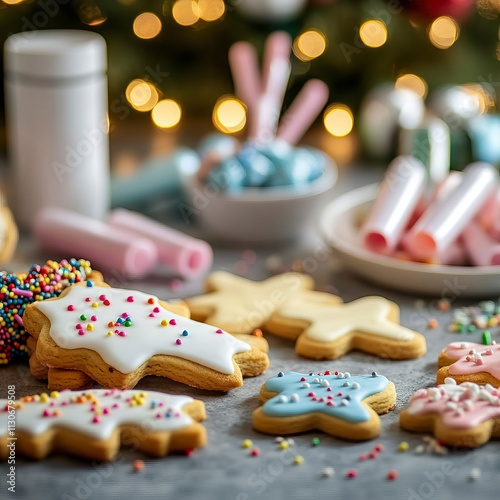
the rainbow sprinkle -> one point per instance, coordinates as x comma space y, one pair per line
19, 290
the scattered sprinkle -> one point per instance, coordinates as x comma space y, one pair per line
474, 474
138, 466
432, 324
283, 445
315, 441
392, 475
351, 473
246, 443
328, 472
298, 460
403, 446
255, 452
444, 305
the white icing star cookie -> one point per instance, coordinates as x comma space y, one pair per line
325, 331
118, 336
93, 424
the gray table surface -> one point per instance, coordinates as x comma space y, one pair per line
224, 469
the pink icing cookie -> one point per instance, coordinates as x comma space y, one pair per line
465, 415
467, 361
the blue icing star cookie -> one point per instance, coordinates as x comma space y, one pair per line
336, 403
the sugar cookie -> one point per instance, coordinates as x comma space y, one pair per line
239, 305
94, 424
116, 337
339, 404
470, 362
326, 331
465, 415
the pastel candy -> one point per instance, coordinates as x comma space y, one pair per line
223, 144
481, 248
187, 256
443, 221
397, 197
258, 167
229, 175
108, 247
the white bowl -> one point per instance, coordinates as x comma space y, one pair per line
340, 222
260, 215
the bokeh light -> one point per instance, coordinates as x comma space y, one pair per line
481, 98
443, 32
141, 95
309, 45
338, 120
412, 82
229, 115
186, 12
211, 10
12, 2
373, 33
147, 25
166, 114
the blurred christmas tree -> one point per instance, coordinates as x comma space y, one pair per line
177, 49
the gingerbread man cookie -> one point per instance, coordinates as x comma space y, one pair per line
93, 424
465, 415
336, 403
326, 331
470, 362
239, 305
116, 337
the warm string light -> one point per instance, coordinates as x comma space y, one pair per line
189, 12
229, 115
338, 120
166, 114
141, 95
412, 82
480, 97
12, 2
90, 14
309, 45
147, 25
373, 33
443, 32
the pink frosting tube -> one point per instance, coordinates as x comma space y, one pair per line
455, 255
303, 111
106, 247
187, 256
489, 216
445, 219
246, 77
482, 249
397, 198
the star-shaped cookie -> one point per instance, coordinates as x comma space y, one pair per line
116, 337
465, 415
94, 424
239, 305
470, 362
337, 403
326, 331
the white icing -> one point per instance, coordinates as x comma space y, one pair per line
328, 323
79, 416
144, 338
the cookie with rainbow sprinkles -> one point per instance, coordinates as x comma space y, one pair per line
470, 362
94, 424
19, 290
336, 403
460, 415
115, 337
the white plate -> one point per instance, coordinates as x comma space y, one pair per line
339, 225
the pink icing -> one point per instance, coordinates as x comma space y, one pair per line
460, 406
456, 351
486, 359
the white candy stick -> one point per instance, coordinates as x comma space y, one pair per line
272, 99
278, 46
397, 197
445, 219
303, 111
245, 70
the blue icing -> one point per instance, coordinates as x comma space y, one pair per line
293, 399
